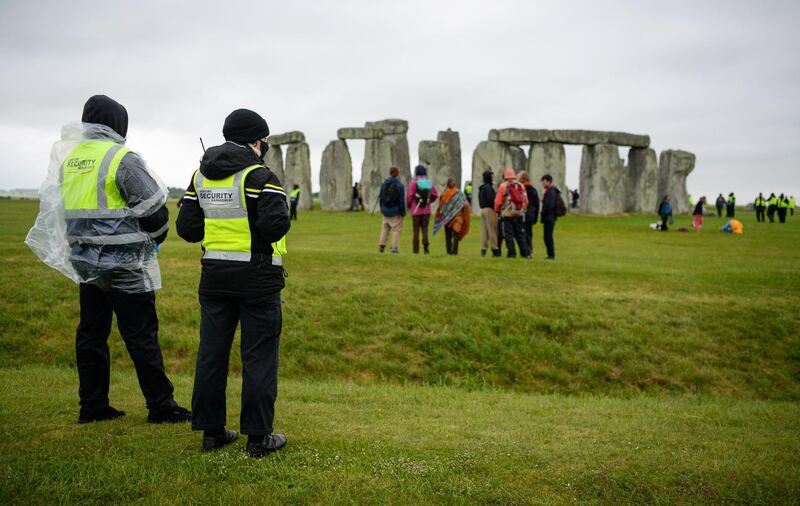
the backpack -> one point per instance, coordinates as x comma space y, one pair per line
513, 200
390, 195
561, 207
423, 193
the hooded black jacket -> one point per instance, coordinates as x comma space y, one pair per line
486, 192
267, 213
549, 204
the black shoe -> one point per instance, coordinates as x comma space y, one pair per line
175, 414
217, 441
427, 250
262, 446
98, 415
496, 253
483, 252
381, 247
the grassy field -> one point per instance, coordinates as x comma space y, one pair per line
638, 367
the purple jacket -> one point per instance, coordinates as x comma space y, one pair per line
412, 204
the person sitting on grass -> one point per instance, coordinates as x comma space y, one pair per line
733, 226
453, 215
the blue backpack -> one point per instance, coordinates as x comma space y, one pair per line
423, 193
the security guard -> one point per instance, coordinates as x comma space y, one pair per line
783, 206
236, 206
772, 206
294, 199
731, 205
468, 191
115, 216
760, 204
792, 205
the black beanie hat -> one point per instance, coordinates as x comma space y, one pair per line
420, 170
244, 125
103, 110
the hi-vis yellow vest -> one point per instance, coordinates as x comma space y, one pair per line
227, 230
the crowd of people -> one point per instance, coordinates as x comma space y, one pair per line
508, 212
781, 205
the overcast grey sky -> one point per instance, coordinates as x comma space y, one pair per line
719, 79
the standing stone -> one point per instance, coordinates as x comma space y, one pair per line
378, 157
453, 141
494, 156
643, 173
673, 167
298, 171
548, 158
395, 131
603, 185
336, 177
274, 161
435, 155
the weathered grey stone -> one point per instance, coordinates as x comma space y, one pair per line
274, 161
592, 137
287, 138
389, 126
495, 156
298, 171
603, 182
378, 157
435, 156
394, 131
548, 158
643, 181
359, 133
519, 135
336, 177
673, 167
453, 141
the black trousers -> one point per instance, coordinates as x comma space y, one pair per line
719, 211
420, 224
549, 243
137, 322
782, 214
261, 322
451, 241
731, 211
528, 228
293, 210
760, 214
771, 213
664, 226
513, 230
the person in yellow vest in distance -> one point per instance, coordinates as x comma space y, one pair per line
792, 205
294, 198
731, 205
733, 226
772, 206
236, 208
783, 207
760, 205
102, 216
468, 191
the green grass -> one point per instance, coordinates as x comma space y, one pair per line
638, 367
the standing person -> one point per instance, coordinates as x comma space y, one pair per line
453, 215
783, 206
102, 217
294, 198
665, 212
772, 206
510, 203
720, 205
550, 211
792, 205
697, 215
468, 190
486, 195
760, 204
237, 208
421, 194
575, 197
731, 205
354, 198
393, 209
532, 211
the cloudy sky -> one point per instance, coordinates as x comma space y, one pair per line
719, 79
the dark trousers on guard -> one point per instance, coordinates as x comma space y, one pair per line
293, 210
138, 324
760, 214
261, 322
782, 214
451, 241
549, 242
420, 224
513, 230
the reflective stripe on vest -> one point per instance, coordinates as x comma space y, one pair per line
89, 190
227, 229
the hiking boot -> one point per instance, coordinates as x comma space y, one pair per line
496, 253
381, 248
98, 415
427, 250
213, 442
483, 252
395, 251
173, 414
260, 446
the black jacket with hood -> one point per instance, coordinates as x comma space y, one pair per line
486, 192
549, 204
532, 211
267, 213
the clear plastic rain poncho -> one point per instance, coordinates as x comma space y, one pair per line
110, 251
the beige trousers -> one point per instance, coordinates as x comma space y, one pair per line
393, 224
488, 228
